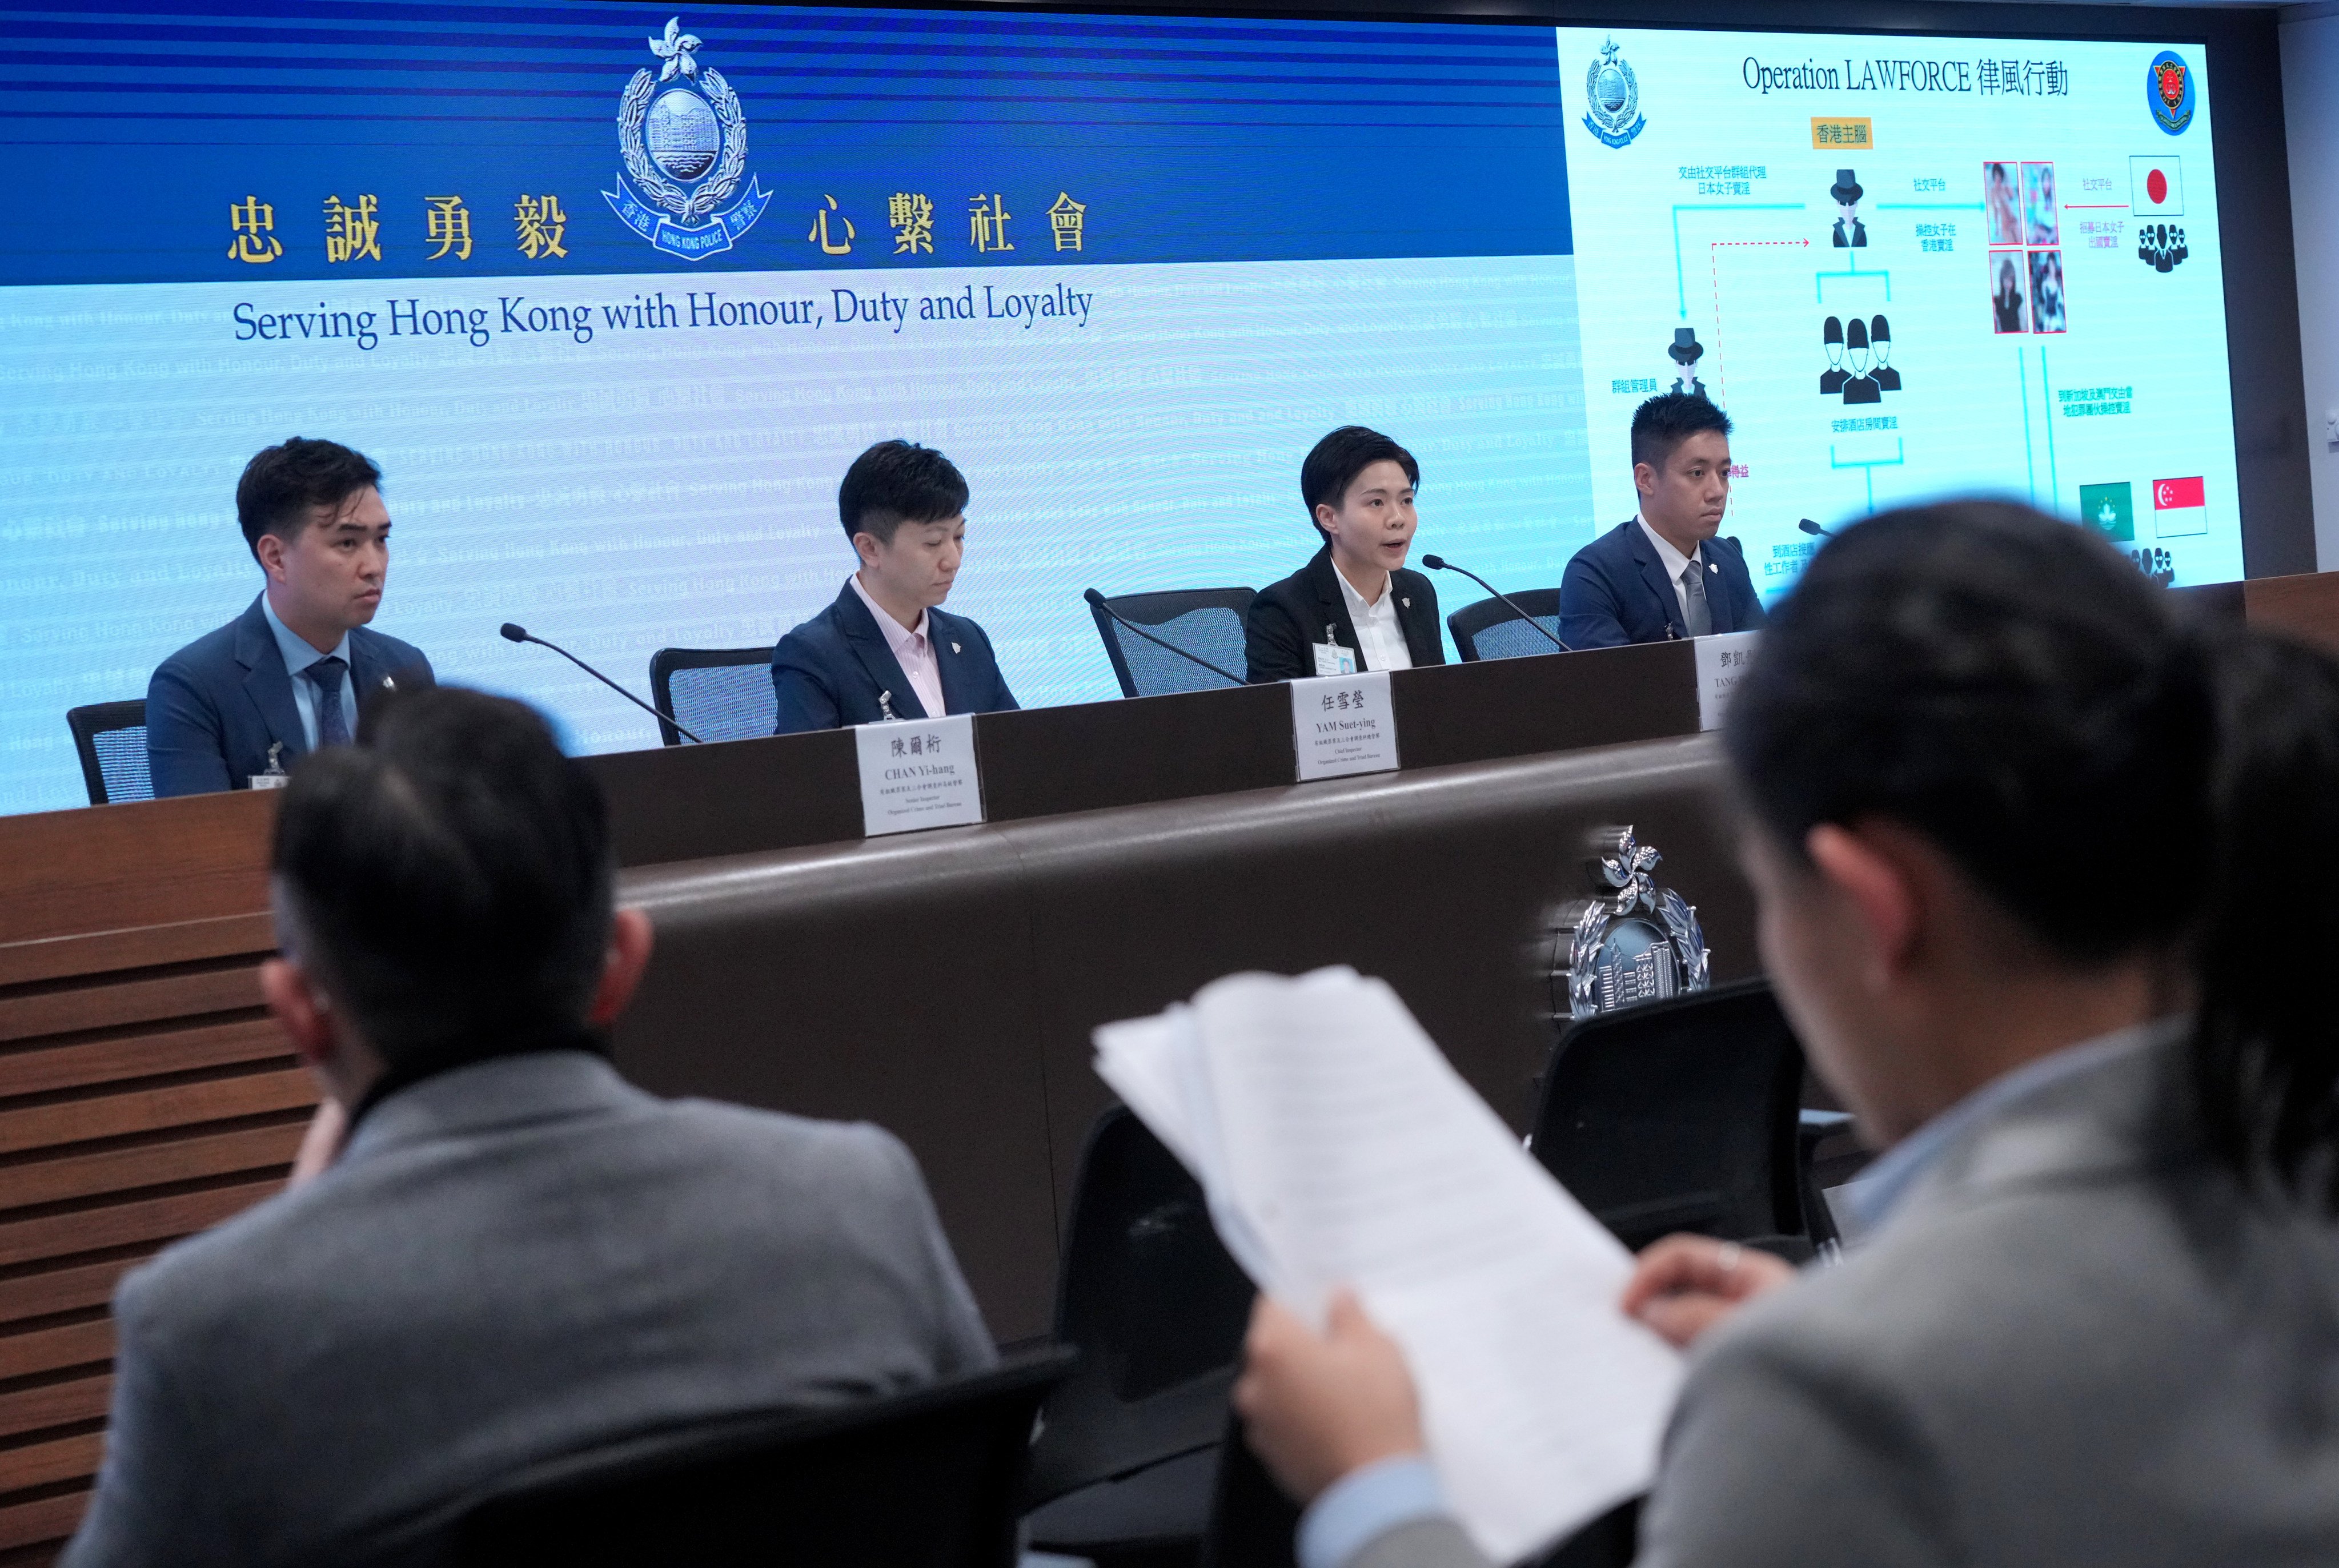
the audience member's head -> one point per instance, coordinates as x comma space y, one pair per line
1997, 773
443, 895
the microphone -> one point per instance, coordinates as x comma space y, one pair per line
519, 634
1440, 564
1097, 600
1811, 527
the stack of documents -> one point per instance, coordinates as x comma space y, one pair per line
1336, 1147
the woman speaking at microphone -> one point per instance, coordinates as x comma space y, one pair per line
2046, 886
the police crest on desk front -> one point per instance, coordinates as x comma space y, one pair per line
1632, 941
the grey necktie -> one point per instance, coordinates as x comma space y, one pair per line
325, 675
1699, 614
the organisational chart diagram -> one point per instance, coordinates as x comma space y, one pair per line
1910, 267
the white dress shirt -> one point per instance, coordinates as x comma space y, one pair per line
298, 656
913, 650
1676, 563
1380, 638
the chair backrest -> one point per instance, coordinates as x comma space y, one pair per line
719, 693
1156, 1309
1680, 1115
1490, 630
111, 739
1205, 621
927, 1479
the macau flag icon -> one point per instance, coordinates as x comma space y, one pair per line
2110, 509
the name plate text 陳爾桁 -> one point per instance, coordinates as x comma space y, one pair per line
918, 773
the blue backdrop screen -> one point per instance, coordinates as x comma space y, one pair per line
614, 301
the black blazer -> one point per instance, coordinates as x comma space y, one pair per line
1291, 615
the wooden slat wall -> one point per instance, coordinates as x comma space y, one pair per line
143, 1096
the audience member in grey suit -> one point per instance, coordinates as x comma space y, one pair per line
515, 1255
2045, 882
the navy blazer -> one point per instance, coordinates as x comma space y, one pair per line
1615, 591
827, 672
215, 707
1288, 617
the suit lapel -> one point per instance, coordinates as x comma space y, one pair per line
268, 684
1334, 604
1652, 572
951, 659
1419, 621
876, 655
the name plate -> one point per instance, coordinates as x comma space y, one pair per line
918, 773
1722, 660
1343, 724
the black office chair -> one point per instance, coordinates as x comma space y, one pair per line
1205, 621
927, 1479
1128, 1448
719, 693
111, 738
1685, 1115
1490, 630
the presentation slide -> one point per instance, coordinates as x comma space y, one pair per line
1909, 266
614, 295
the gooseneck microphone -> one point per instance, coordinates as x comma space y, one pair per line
1098, 600
1440, 564
519, 634
1812, 528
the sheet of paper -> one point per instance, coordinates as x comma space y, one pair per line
1338, 1147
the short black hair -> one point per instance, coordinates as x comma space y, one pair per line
447, 880
898, 482
1666, 420
282, 485
1336, 460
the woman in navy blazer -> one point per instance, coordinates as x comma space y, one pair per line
904, 508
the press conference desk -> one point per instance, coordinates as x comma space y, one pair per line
942, 984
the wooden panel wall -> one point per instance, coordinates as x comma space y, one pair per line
143, 1096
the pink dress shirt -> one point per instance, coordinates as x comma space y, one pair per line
913, 650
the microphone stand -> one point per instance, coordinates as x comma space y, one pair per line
1440, 564
514, 633
1098, 599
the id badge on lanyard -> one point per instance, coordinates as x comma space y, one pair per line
1331, 658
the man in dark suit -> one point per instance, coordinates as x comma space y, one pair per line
236, 707
514, 1255
1353, 606
885, 649
1666, 573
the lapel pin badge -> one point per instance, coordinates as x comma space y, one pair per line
955, 647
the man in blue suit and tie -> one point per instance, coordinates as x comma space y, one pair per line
885, 649
1666, 573
236, 707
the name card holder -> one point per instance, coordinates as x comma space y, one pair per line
1722, 660
918, 773
1343, 724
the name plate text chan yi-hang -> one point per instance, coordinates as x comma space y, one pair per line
917, 774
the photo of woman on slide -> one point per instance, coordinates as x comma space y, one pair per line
2047, 291
2006, 300
2001, 184
2038, 204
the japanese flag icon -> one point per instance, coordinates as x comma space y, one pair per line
2158, 187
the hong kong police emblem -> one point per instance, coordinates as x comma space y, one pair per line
1632, 941
1614, 96
686, 146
